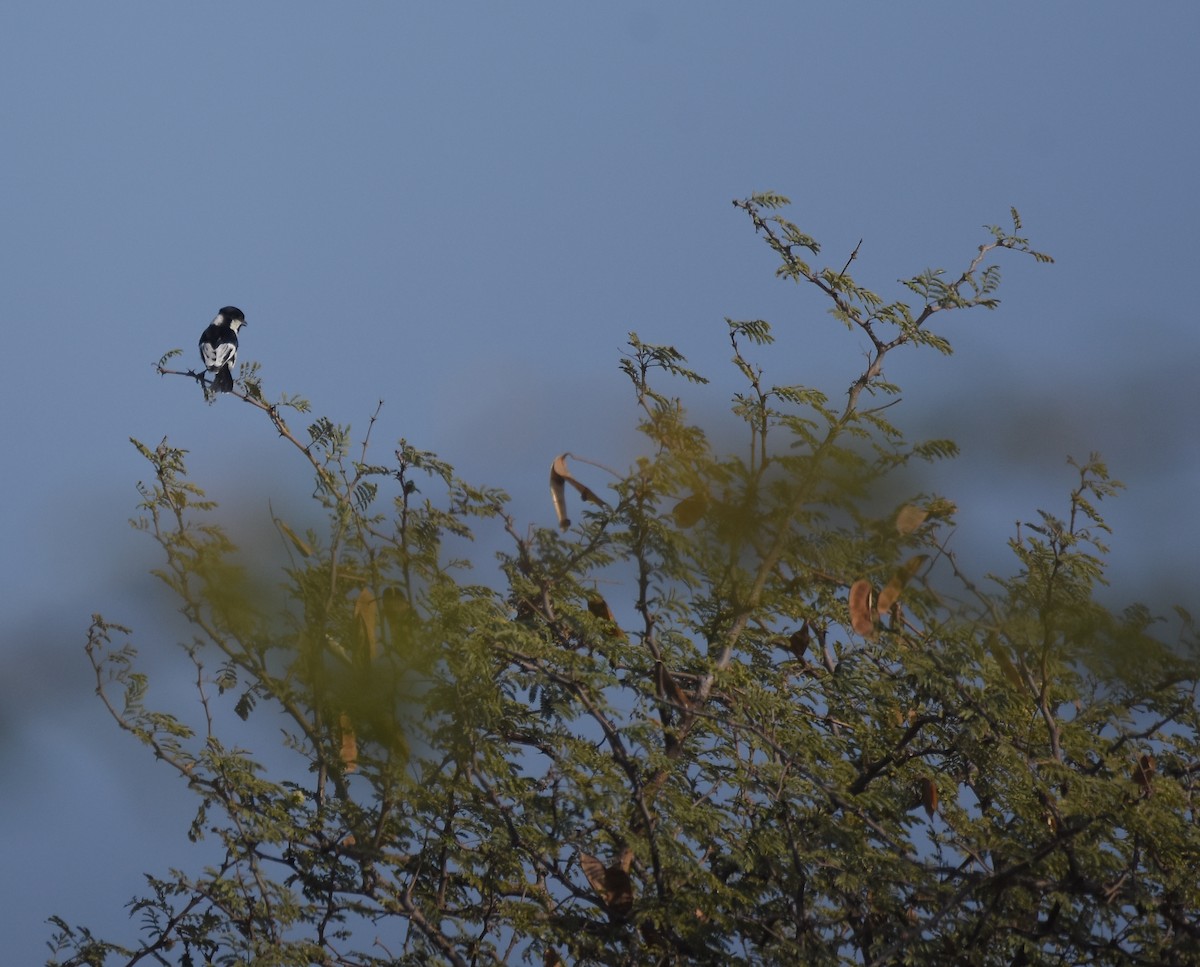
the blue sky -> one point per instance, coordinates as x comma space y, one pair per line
462, 209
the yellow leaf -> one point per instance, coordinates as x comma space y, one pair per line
292, 536
891, 594
397, 617
910, 518
862, 618
1049, 811
349, 750
1006, 666
366, 612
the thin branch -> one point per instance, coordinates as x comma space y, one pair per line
853, 256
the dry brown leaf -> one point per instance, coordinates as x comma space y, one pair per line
366, 611
910, 518
891, 594
862, 618
1143, 773
1049, 811
613, 885
598, 607
550, 958
619, 885
668, 687
558, 493
559, 477
799, 640
349, 750
593, 869
689, 510
929, 796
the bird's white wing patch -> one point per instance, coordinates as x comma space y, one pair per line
214, 357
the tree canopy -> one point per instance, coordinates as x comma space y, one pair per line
743, 705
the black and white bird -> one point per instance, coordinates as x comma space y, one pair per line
218, 346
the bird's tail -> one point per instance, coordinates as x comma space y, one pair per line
223, 381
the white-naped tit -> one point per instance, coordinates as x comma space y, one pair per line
218, 346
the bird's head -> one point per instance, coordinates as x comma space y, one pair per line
230, 316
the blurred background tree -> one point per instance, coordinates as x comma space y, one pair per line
747, 707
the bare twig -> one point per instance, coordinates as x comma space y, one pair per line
853, 256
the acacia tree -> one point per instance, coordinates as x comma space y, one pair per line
747, 708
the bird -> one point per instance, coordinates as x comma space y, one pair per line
218, 346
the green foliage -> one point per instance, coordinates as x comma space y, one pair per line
777, 737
